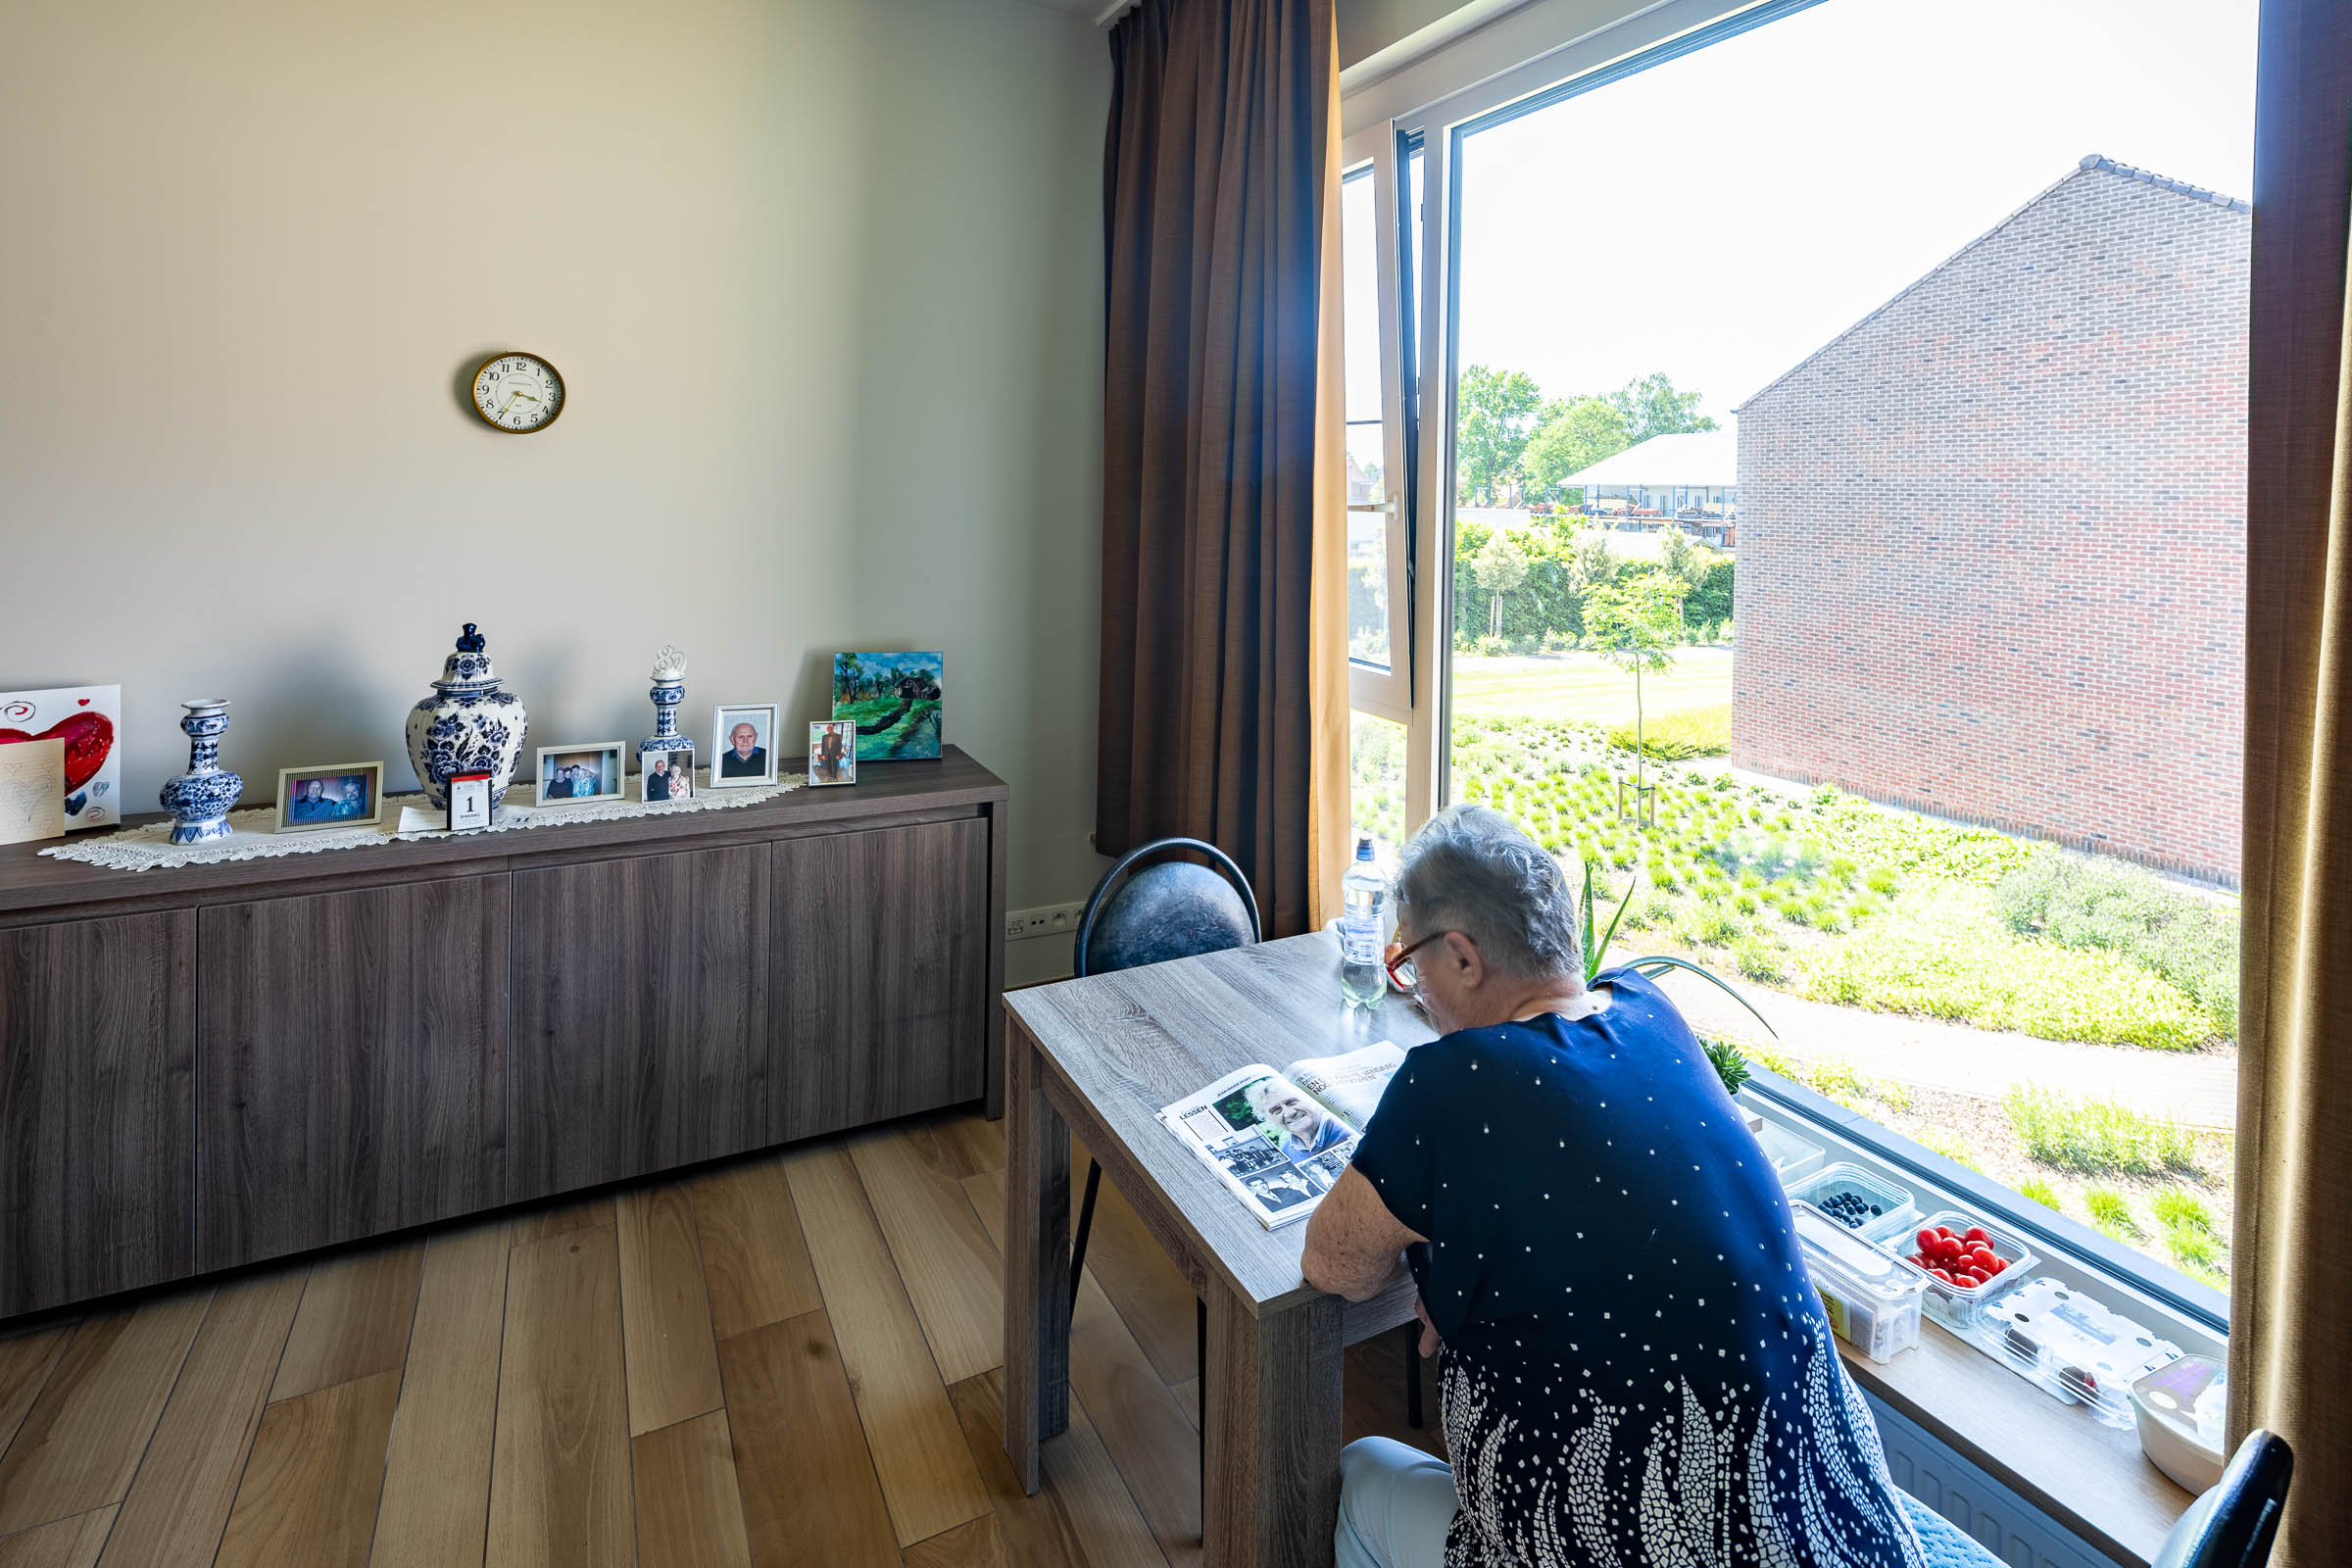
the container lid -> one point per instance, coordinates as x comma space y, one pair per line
1858, 1262
469, 666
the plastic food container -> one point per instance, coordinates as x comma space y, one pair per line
1871, 1204
1790, 1155
2078, 1349
1872, 1296
2182, 1409
1961, 1307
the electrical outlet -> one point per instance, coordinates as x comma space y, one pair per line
1051, 920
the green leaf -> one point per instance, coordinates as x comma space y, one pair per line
1663, 964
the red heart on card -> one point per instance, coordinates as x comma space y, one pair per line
88, 738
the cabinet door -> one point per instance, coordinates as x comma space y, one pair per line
640, 1016
881, 959
97, 1046
352, 1064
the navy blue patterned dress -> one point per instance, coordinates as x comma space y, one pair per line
1637, 1370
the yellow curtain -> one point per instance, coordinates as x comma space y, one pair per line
2291, 1329
1328, 810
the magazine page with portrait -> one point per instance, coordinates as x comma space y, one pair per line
1279, 1140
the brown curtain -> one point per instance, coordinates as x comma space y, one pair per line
2291, 1329
1221, 190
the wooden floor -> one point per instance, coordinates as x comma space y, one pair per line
787, 1359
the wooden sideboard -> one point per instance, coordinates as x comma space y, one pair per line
210, 1066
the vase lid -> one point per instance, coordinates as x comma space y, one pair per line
469, 666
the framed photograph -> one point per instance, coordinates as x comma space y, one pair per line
588, 770
666, 775
833, 752
469, 801
894, 700
87, 721
743, 745
338, 795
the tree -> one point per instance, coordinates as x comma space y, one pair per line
1685, 559
1500, 568
1650, 406
1496, 413
1634, 623
1574, 435
1591, 563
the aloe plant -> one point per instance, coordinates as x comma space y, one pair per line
1730, 1066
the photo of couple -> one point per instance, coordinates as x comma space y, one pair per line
667, 776
571, 774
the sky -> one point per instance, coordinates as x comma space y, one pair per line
1723, 216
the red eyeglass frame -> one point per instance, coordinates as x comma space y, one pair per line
1401, 956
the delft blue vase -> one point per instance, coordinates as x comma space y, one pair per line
199, 799
470, 724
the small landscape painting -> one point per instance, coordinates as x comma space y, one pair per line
894, 698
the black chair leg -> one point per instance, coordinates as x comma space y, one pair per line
1411, 1333
1201, 1372
1086, 1222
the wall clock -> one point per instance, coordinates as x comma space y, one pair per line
518, 393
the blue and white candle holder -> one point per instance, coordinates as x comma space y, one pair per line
669, 691
199, 800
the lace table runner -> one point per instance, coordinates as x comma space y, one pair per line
250, 838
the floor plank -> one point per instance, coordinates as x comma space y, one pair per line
689, 1511
1372, 1403
671, 1362
354, 1321
945, 1260
976, 1143
180, 1499
1149, 1291
918, 1449
437, 1472
1082, 1517
977, 1544
754, 1259
80, 1442
26, 1362
808, 1483
562, 1219
62, 1544
1188, 1399
1158, 1451
560, 1475
309, 1496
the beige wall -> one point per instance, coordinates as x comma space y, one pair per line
823, 277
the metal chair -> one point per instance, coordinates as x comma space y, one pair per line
2231, 1525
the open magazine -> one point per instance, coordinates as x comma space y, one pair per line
1279, 1140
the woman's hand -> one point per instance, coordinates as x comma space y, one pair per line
1430, 1342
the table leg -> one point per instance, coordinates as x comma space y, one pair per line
1270, 1413
1037, 1262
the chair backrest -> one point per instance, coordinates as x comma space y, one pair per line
2234, 1525
1151, 906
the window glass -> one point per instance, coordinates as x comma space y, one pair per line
1368, 635
1847, 558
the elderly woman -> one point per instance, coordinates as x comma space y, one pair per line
1633, 1368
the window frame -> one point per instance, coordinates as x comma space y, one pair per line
1426, 357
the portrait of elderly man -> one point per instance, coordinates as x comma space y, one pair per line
1304, 1127
745, 757
1634, 1366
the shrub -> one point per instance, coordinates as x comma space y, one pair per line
1684, 733
2096, 1135
2176, 1207
2040, 1191
2191, 1245
2110, 1213
2077, 902
1886, 1092
1948, 1144
1941, 952
1759, 960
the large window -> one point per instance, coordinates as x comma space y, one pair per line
1837, 523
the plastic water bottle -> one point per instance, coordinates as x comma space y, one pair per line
1363, 924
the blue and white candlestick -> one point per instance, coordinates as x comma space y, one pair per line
669, 691
199, 799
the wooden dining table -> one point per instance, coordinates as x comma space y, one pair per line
1101, 1056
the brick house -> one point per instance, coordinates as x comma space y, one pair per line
1992, 537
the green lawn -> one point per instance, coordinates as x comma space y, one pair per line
1578, 685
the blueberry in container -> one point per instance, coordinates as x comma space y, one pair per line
1875, 1206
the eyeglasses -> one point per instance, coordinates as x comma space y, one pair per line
1400, 964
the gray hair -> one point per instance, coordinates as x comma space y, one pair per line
1471, 870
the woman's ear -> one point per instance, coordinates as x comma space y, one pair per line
1462, 953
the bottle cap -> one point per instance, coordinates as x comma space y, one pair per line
1363, 846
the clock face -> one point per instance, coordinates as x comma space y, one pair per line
518, 393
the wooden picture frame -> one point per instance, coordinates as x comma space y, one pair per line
612, 763
310, 814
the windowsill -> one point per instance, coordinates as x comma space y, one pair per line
2089, 1478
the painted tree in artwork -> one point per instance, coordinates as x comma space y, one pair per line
1634, 623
